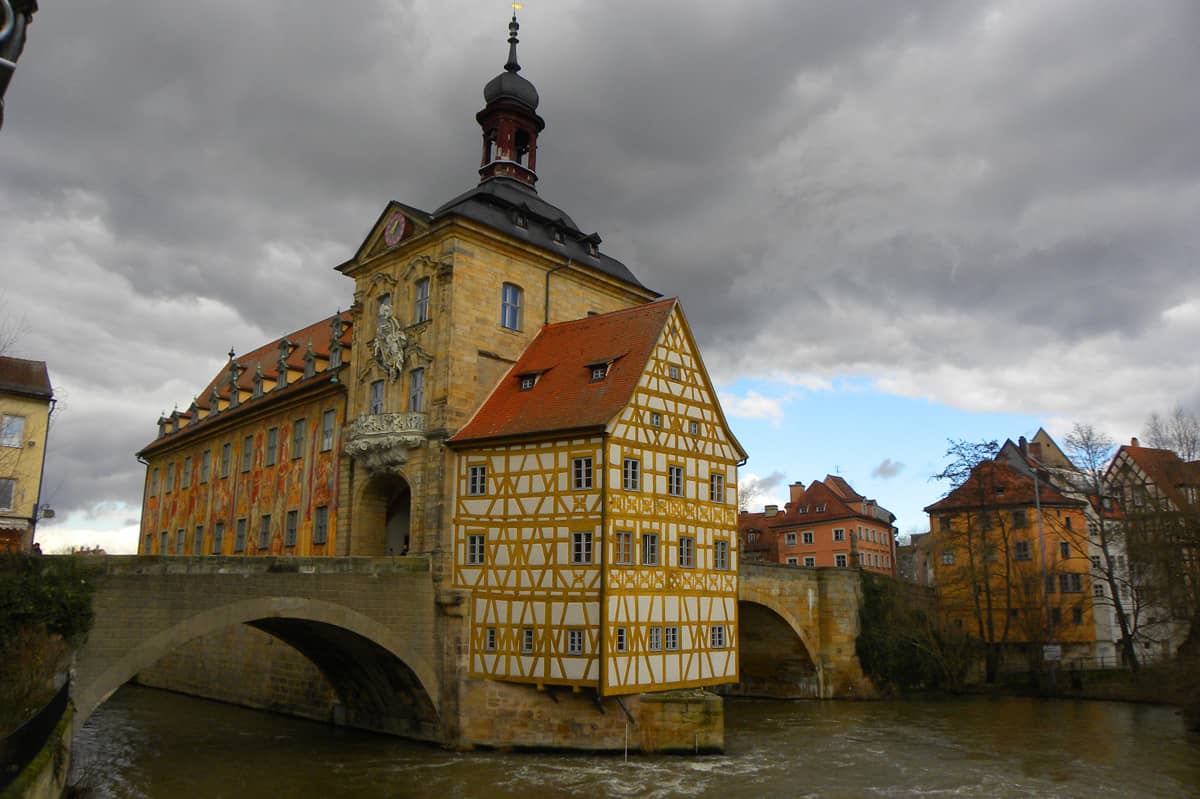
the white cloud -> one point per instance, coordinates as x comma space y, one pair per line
753, 406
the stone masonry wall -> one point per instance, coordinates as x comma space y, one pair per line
245, 666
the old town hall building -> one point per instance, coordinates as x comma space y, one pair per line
503, 398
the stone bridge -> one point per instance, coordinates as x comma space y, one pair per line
391, 645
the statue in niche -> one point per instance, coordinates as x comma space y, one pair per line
390, 342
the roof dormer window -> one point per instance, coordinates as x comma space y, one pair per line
527, 382
599, 372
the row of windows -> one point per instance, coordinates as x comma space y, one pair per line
874, 560
658, 639
416, 393
631, 479
291, 527
12, 431
987, 520
810, 561
656, 420
270, 454
582, 550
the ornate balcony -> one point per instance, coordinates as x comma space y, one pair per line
381, 441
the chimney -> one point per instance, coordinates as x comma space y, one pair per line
1133, 442
1035, 449
770, 510
796, 491
1023, 445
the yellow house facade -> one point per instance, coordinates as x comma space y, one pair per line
26, 401
595, 512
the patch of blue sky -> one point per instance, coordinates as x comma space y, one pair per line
886, 446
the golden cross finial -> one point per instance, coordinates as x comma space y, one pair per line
517, 7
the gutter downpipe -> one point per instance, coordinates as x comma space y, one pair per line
603, 547
546, 317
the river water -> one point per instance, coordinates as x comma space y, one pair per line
148, 743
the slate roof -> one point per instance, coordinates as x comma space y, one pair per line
561, 356
497, 203
995, 484
26, 378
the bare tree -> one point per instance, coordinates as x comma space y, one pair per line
1091, 451
1178, 431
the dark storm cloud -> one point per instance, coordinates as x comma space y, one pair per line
960, 200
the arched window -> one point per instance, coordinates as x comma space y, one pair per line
510, 306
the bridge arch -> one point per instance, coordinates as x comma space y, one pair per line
383, 680
771, 664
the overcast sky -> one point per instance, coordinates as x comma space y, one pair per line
988, 210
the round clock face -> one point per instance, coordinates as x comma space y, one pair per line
394, 229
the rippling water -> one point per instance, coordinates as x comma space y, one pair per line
147, 743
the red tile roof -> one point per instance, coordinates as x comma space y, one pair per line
561, 355
1165, 468
997, 484
28, 378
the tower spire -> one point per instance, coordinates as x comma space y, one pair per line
513, 27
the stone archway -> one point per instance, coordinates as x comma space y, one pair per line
774, 661
382, 517
381, 678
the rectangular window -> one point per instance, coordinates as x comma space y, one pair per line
671, 638
162, 543
717, 636
205, 465
655, 419
621, 640
675, 481
198, 541
328, 420
839, 534
239, 536
948, 557
490, 642
187, 472
574, 642
528, 382
1077, 615
264, 531
375, 403
1021, 551
1098, 589
810, 561
291, 528
631, 475
716, 488
510, 306
321, 525
721, 555
170, 478
944, 524
154, 482
654, 639
1070, 583
839, 560
477, 481
807, 536
476, 549
673, 372
12, 431
581, 547
1050, 583
599, 372
180, 538
693, 428
649, 549
1095, 561
1018, 518
218, 542
1056, 616
299, 434
527, 640
1064, 550
247, 453
581, 474
421, 301
226, 456
687, 552
272, 447
624, 552
416, 391
789, 539
793, 562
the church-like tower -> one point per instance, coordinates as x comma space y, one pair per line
510, 122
